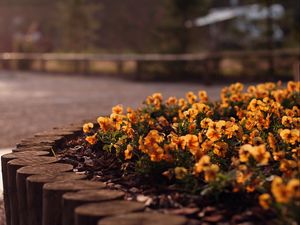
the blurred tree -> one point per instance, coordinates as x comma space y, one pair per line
173, 34
77, 24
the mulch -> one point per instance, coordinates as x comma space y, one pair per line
230, 208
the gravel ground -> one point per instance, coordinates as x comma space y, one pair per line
31, 103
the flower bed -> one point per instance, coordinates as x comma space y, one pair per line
233, 160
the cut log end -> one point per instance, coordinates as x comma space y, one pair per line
145, 218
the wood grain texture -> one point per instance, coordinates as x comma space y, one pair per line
144, 218
34, 186
75, 199
89, 214
26, 171
52, 197
12, 167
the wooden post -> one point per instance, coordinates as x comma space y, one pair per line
43, 65
119, 68
86, 67
46, 148
52, 197
296, 71
34, 186
12, 167
145, 218
89, 214
74, 199
4, 160
26, 171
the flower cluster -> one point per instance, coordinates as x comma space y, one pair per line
248, 141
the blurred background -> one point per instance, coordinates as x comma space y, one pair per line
67, 60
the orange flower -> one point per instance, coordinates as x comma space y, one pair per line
279, 190
205, 123
213, 135
128, 152
265, 201
221, 126
244, 152
287, 121
290, 136
171, 101
117, 120
220, 149
190, 114
118, 109
293, 86
87, 127
191, 97
242, 174
192, 143
231, 129
210, 172
272, 141
92, 139
104, 123
260, 154
287, 166
202, 164
153, 137
203, 96
180, 172
293, 188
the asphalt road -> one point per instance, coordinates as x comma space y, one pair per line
31, 102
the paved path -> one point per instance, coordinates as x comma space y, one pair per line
32, 103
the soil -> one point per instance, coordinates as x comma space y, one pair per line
103, 166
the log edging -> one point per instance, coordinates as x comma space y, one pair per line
40, 189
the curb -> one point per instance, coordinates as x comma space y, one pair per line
41, 190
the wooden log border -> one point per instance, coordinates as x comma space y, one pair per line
41, 189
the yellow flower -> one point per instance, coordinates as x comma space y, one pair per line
92, 139
290, 136
180, 172
118, 109
202, 164
128, 152
220, 149
87, 127
210, 173
213, 135
265, 200
104, 123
